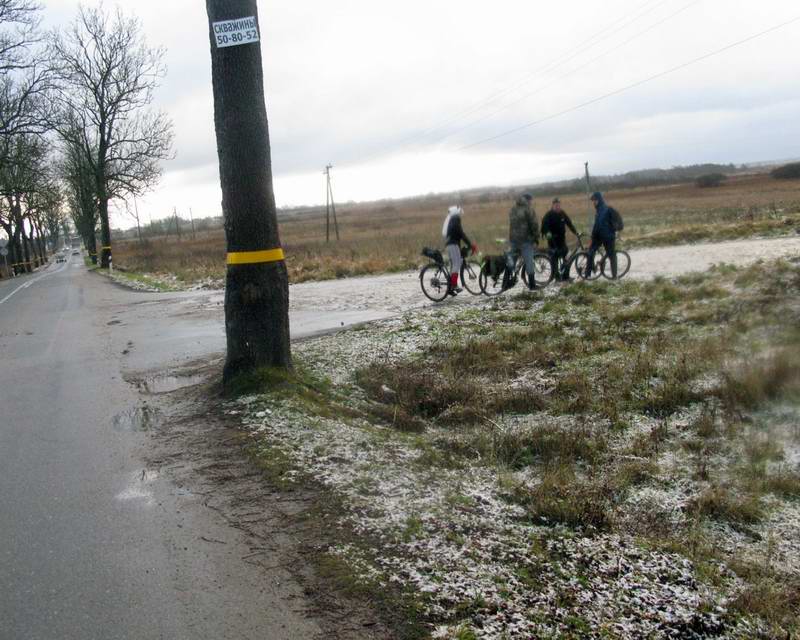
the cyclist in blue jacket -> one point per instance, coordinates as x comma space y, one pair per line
607, 222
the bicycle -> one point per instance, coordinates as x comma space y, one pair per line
579, 257
492, 275
602, 265
434, 277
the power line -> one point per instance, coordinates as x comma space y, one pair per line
601, 35
568, 74
632, 86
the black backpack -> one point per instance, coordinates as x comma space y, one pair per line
616, 220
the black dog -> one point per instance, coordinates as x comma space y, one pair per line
495, 266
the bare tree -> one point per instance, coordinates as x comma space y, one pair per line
106, 78
24, 175
25, 74
256, 284
81, 195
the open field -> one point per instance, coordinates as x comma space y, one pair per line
600, 460
387, 237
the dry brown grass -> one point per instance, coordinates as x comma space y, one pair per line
387, 236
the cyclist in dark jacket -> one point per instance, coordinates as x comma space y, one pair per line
554, 228
603, 233
523, 234
454, 235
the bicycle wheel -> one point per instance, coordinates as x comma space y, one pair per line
470, 276
581, 260
597, 267
542, 269
433, 279
623, 265
490, 285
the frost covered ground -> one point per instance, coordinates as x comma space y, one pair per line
672, 511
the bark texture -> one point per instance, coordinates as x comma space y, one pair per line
256, 295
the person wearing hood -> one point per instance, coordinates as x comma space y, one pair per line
554, 228
453, 234
523, 234
604, 232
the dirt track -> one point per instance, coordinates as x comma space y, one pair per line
399, 292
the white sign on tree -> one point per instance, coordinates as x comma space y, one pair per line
230, 33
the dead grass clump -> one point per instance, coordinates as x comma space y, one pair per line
412, 391
775, 377
705, 426
784, 483
720, 503
772, 597
573, 393
563, 498
549, 443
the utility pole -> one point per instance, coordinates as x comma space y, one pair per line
177, 224
256, 282
589, 191
138, 226
191, 217
330, 206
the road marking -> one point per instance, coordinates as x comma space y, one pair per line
30, 282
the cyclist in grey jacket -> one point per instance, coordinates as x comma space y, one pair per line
523, 234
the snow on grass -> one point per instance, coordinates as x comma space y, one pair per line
453, 535
474, 557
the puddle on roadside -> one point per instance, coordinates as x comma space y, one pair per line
142, 418
168, 383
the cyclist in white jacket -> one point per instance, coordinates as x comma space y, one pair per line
453, 234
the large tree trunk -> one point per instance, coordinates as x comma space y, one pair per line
90, 240
16, 247
26, 251
11, 258
105, 232
256, 292
41, 248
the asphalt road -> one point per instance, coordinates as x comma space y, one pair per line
93, 544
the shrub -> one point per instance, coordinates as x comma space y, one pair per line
789, 171
710, 180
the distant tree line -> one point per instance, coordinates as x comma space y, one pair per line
789, 171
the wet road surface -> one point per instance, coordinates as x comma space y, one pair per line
94, 544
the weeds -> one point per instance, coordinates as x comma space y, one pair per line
720, 503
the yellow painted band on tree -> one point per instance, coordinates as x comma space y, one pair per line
255, 257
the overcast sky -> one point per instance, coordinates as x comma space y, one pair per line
395, 94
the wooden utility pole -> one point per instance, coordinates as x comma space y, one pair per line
589, 192
256, 283
136, 213
330, 206
177, 223
191, 217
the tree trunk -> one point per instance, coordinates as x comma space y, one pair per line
18, 256
256, 291
26, 251
105, 232
40, 243
90, 240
